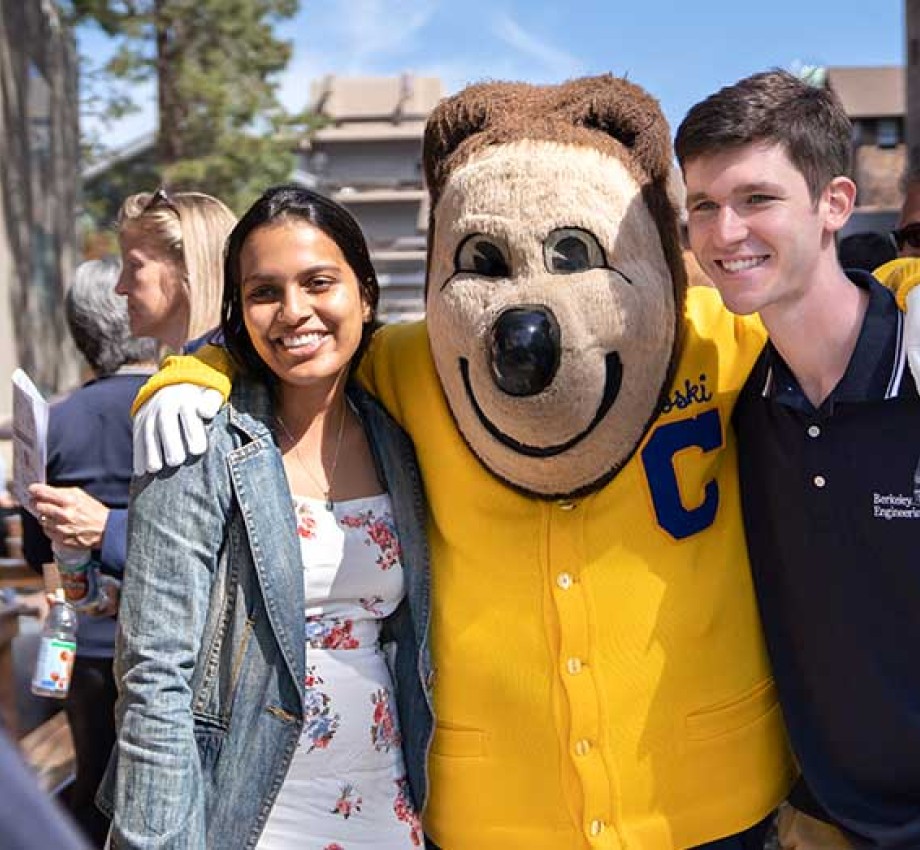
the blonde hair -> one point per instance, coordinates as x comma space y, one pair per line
192, 228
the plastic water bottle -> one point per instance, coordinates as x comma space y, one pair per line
57, 649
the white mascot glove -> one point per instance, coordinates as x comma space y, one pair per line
170, 426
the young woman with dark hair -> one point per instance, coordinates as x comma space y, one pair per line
257, 706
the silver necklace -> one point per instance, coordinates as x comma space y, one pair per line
327, 493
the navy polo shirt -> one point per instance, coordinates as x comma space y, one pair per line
834, 539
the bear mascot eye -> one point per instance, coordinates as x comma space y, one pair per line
482, 255
570, 250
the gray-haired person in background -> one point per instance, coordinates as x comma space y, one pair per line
90, 451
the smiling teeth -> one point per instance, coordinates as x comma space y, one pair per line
741, 265
301, 339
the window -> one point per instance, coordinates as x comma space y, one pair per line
888, 132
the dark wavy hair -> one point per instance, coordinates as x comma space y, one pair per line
774, 107
277, 205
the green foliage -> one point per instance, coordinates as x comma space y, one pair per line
215, 63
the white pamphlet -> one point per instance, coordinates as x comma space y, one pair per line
30, 432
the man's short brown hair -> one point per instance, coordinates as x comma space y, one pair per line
773, 107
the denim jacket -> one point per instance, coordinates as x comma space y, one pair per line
210, 657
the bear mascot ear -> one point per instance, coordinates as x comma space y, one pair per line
465, 115
624, 112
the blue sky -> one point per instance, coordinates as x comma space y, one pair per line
680, 50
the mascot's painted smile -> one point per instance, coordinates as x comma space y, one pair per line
614, 377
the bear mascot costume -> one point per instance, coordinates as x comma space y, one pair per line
600, 677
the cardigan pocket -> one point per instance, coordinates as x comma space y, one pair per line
457, 742
733, 714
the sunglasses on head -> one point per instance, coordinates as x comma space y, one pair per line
160, 198
908, 235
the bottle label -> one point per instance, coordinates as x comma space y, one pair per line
77, 577
76, 584
54, 665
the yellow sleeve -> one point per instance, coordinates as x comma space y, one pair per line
900, 276
739, 339
365, 371
210, 366
398, 370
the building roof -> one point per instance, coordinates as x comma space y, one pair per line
138, 147
395, 99
370, 131
351, 195
870, 92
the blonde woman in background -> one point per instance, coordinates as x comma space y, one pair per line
172, 248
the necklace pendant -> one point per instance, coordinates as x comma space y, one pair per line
329, 501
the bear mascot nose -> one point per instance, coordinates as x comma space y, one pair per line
525, 350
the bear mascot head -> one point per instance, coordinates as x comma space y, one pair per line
555, 276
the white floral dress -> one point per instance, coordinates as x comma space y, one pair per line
347, 788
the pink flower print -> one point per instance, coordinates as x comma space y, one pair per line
372, 604
320, 723
331, 633
405, 811
333, 846
384, 732
311, 679
349, 803
340, 636
381, 531
306, 522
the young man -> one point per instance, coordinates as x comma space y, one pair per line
827, 427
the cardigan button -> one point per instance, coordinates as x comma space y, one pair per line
573, 665
596, 828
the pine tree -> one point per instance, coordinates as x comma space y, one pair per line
215, 63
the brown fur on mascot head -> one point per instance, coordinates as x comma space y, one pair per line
555, 279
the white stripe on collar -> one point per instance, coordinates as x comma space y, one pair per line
900, 359
897, 371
